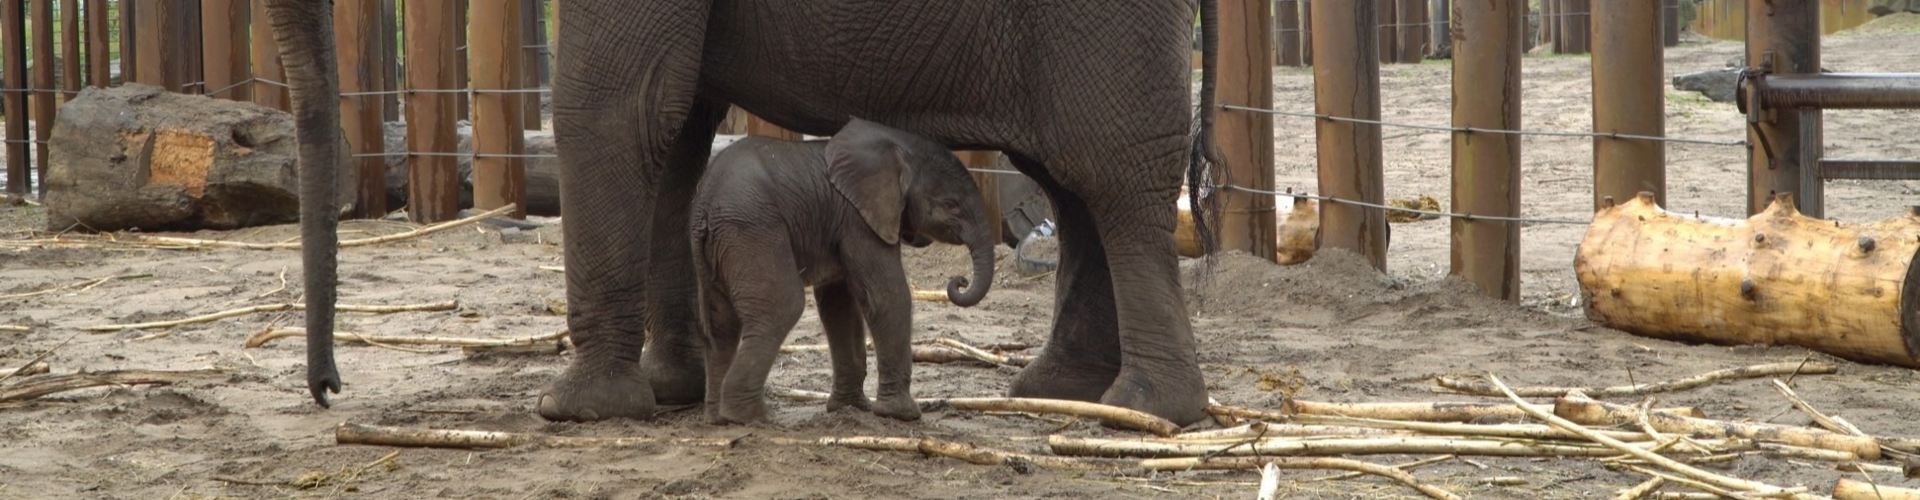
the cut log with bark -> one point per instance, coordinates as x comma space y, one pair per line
1589, 412
1853, 489
137, 156
1295, 242
1777, 278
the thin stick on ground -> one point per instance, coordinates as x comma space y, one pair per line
1641, 490
936, 354
1821, 419
930, 295
1112, 415
1416, 412
1516, 431
33, 368
267, 308
1250, 463
42, 386
415, 233
82, 285
281, 288
543, 340
1643, 454
1480, 388
37, 359
15, 328
1327, 446
1590, 412
984, 356
1269, 482
1405, 467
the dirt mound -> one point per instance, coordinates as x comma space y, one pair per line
1905, 22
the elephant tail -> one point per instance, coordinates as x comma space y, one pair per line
1203, 155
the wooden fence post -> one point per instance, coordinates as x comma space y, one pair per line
1286, 39
433, 181
1631, 99
1411, 21
1549, 25
389, 57
71, 78
13, 42
1346, 84
1306, 32
763, 128
130, 35
266, 61
226, 45
1783, 148
1670, 27
357, 29
1245, 138
988, 183
1486, 167
46, 96
159, 44
1387, 18
1440, 38
1574, 24
99, 58
497, 124
536, 58
462, 53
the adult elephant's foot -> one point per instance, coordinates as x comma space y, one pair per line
678, 374
587, 393
1178, 395
1062, 376
844, 400
897, 407
744, 410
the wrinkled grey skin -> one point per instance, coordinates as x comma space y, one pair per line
1092, 99
773, 217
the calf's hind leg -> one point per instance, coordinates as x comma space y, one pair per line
767, 297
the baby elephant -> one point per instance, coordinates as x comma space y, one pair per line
773, 217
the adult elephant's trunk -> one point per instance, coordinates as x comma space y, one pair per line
304, 29
981, 245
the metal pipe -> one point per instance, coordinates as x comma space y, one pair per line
1840, 91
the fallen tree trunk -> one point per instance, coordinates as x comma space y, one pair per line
1585, 411
1778, 278
1295, 242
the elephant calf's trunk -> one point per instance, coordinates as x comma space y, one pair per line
965, 291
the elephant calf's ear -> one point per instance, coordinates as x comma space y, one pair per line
867, 170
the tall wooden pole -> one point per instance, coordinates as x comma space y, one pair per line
266, 61
433, 181
389, 57
191, 64
1486, 167
1631, 99
129, 38
1286, 23
46, 98
1306, 32
1411, 18
1386, 17
1245, 139
357, 31
497, 124
159, 44
13, 44
1670, 24
1346, 78
461, 54
71, 76
1783, 148
227, 47
988, 183
99, 59
1574, 23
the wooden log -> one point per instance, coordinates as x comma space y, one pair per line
1295, 241
46, 98
1589, 412
226, 46
13, 54
1778, 278
356, 26
433, 182
1852, 489
269, 86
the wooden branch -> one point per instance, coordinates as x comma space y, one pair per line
1849, 489
351, 433
1252, 463
1642, 490
984, 356
1418, 412
1637, 452
1406, 467
38, 358
1821, 419
1112, 415
930, 295
1480, 388
543, 341
1258, 429
1326, 446
415, 233
1589, 412
15, 329
32, 368
82, 285
266, 308
1269, 483
939, 354
1516, 431
41, 386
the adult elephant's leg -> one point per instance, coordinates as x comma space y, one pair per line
621, 95
674, 350
1082, 356
1159, 365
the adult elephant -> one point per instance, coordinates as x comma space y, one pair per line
1092, 99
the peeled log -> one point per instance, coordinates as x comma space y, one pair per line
1778, 278
137, 156
1298, 237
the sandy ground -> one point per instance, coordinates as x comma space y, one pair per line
1348, 333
